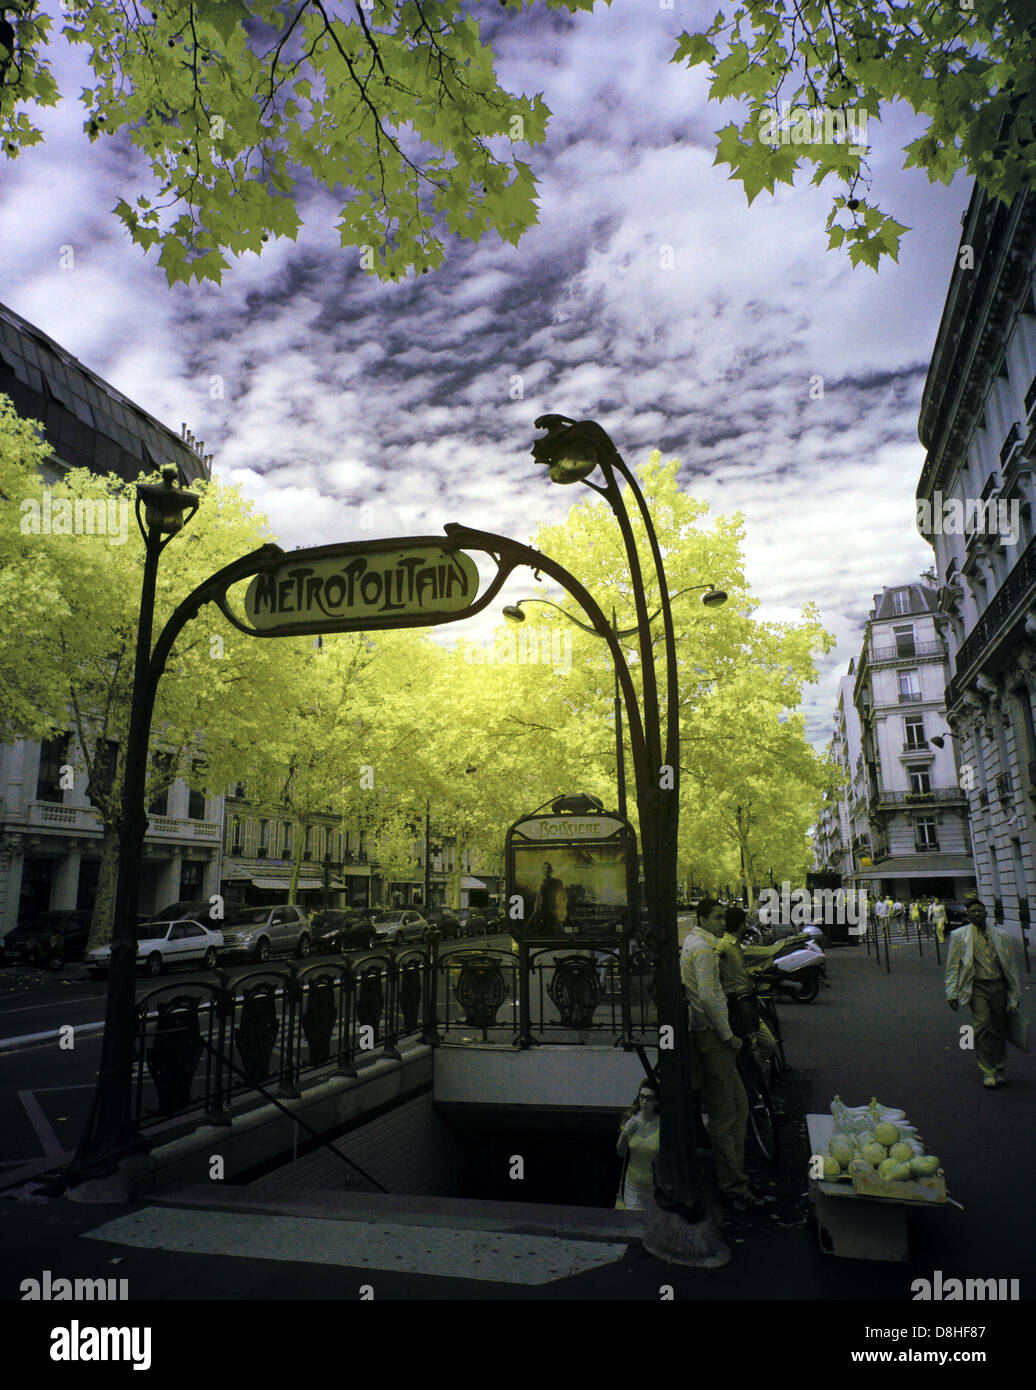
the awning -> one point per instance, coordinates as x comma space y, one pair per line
305, 885
466, 883
920, 866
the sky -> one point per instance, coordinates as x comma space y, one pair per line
353, 408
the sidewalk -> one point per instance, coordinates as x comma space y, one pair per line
870, 1034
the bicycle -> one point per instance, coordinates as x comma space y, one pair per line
768, 1013
762, 1119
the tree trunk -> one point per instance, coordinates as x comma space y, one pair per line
102, 919
297, 845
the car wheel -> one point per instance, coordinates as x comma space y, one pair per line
303, 948
154, 964
209, 958
262, 951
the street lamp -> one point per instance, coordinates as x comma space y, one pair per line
682, 1230
162, 511
713, 598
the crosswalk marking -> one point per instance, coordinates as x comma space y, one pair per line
496, 1257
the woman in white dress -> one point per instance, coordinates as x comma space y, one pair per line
638, 1144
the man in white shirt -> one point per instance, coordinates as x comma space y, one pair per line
981, 971
714, 1051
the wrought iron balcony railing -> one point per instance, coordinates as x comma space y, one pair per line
906, 652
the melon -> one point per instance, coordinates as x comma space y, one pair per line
924, 1166
842, 1149
886, 1134
902, 1152
902, 1172
865, 1136
874, 1153
832, 1168
888, 1168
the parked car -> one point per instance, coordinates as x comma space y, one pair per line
35, 942
956, 915
258, 931
162, 944
196, 910
446, 921
399, 924
340, 929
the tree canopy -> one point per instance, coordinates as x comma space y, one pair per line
237, 104
240, 107
812, 72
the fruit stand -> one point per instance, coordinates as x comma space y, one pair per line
861, 1211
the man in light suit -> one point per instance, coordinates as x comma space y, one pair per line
980, 971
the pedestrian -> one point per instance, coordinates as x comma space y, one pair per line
714, 1050
938, 918
915, 915
981, 971
738, 989
550, 909
638, 1145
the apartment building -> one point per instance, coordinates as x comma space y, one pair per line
975, 502
917, 814
50, 837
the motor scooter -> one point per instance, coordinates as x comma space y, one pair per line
792, 966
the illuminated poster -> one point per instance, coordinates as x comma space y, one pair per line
569, 877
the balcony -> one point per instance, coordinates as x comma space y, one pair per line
937, 796
1030, 399
85, 819
1004, 790
1014, 434
917, 747
910, 697
1007, 606
906, 651
931, 848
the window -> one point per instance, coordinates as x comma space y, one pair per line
904, 638
289, 839
235, 835
53, 757
196, 805
913, 726
162, 775
901, 601
264, 838
920, 782
925, 836
909, 685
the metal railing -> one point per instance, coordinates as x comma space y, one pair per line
906, 652
202, 1046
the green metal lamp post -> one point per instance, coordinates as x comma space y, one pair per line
110, 1134
683, 1229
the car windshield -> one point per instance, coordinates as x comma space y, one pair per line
389, 917
248, 914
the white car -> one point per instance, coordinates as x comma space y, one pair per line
161, 944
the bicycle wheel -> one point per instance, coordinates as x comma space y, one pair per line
761, 1119
778, 1061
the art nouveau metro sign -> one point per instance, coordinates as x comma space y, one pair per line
361, 586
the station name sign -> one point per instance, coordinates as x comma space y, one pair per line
568, 828
360, 586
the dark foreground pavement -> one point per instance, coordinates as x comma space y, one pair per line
871, 1034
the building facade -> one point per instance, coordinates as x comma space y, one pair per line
975, 504
50, 837
917, 815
